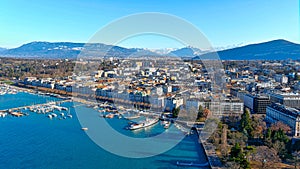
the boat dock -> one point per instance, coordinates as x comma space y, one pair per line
18, 114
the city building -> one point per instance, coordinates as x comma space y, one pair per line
256, 103
287, 99
287, 115
281, 79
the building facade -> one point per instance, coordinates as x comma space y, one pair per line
287, 99
256, 103
287, 115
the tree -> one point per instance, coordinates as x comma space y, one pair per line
200, 112
268, 133
206, 112
175, 112
235, 151
259, 125
237, 137
279, 135
237, 155
245, 123
224, 141
279, 146
297, 77
280, 126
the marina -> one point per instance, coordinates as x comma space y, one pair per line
41, 128
7, 89
37, 108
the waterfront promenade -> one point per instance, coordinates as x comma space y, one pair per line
209, 152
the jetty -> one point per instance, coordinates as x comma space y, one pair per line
18, 114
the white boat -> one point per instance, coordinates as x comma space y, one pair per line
64, 108
84, 128
136, 126
192, 164
69, 115
110, 116
54, 115
167, 124
3, 114
150, 122
49, 116
146, 123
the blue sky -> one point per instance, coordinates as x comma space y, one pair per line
224, 22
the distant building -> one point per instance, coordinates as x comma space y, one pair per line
281, 79
192, 103
287, 99
256, 103
297, 86
167, 89
232, 106
226, 107
29, 80
234, 91
172, 103
249, 101
287, 115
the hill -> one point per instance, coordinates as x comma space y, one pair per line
63, 50
272, 50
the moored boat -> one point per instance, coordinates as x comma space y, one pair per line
146, 123
109, 116
49, 116
167, 124
84, 128
54, 115
135, 126
191, 164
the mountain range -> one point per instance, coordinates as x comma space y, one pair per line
272, 50
2, 49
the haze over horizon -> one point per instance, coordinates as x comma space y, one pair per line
164, 50
225, 24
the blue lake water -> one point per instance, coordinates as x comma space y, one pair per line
35, 141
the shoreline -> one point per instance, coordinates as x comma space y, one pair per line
210, 157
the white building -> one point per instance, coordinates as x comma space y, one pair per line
192, 103
287, 115
172, 103
287, 99
281, 79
